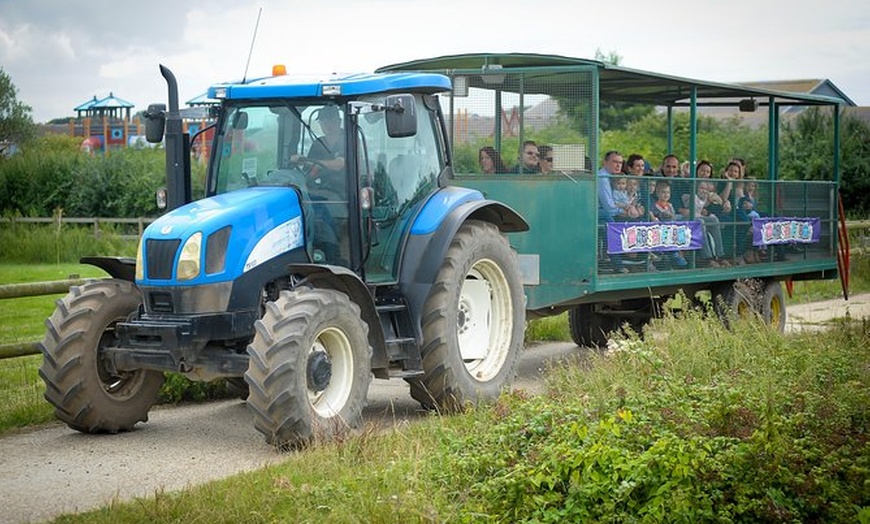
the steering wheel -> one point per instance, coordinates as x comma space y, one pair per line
307, 165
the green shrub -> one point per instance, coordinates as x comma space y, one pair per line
548, 329
746, 428
179, 388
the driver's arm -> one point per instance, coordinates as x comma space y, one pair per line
333, 164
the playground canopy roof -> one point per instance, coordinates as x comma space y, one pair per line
109, 106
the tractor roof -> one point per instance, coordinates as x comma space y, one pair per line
293, 86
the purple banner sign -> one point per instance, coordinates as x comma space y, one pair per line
779, 230
638, 237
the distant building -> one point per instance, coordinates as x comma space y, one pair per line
814, 86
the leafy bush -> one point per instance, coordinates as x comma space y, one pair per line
748, 428
52, 173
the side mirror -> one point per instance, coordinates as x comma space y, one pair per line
240, 120
155, 123
401, 116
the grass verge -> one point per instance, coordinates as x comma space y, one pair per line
694, 423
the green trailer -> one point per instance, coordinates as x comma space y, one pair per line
567, 260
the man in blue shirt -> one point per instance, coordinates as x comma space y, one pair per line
612, 165
607, 209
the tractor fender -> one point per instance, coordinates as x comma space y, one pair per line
122, 268
346, 281
424, 253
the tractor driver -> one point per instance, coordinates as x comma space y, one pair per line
327, 185
327, 150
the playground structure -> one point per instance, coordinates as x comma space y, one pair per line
106, 124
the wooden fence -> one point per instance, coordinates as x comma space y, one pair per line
138, 223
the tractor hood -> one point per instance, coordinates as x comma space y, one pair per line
237, 232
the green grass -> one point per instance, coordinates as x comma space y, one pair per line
23, 321
757, 427
23, 317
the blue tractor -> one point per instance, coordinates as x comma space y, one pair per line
330, 248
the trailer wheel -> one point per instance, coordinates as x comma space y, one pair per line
473, 321
773, 305
310, 367
588, 328
86, 395
737, 299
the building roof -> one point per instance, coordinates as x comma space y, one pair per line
815, 86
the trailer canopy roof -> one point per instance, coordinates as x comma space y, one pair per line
544, 74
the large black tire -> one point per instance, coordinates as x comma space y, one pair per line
310, 367
773, 305
84, 393
738, 299
588, 328
473, 321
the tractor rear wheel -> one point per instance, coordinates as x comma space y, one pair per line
473, 321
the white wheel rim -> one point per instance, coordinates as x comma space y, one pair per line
329, 402
484, 320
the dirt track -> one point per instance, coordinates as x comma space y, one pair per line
55, 470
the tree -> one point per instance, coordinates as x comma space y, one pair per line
807, 150
618, 115
16, 125
612, 115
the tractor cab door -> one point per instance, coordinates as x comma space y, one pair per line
402, 171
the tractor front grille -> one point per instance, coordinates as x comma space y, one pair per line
159, 256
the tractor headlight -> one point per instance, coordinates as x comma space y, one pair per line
189, 260
140, 260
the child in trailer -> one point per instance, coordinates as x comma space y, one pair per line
627, 205
663, 211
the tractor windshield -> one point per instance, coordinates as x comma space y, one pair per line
298, 146
281, 144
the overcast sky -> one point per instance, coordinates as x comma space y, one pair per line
60, 54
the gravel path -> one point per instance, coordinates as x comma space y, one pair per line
53, 470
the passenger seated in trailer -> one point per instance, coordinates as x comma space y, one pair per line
663, 211
746, 211
634, 197
490, 161
627, 206
545, 159
607, 209
636, 165
712, 249
612, 165
528, 161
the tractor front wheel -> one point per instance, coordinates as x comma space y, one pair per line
310, 367
86, 394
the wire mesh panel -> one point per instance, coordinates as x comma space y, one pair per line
493, 116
